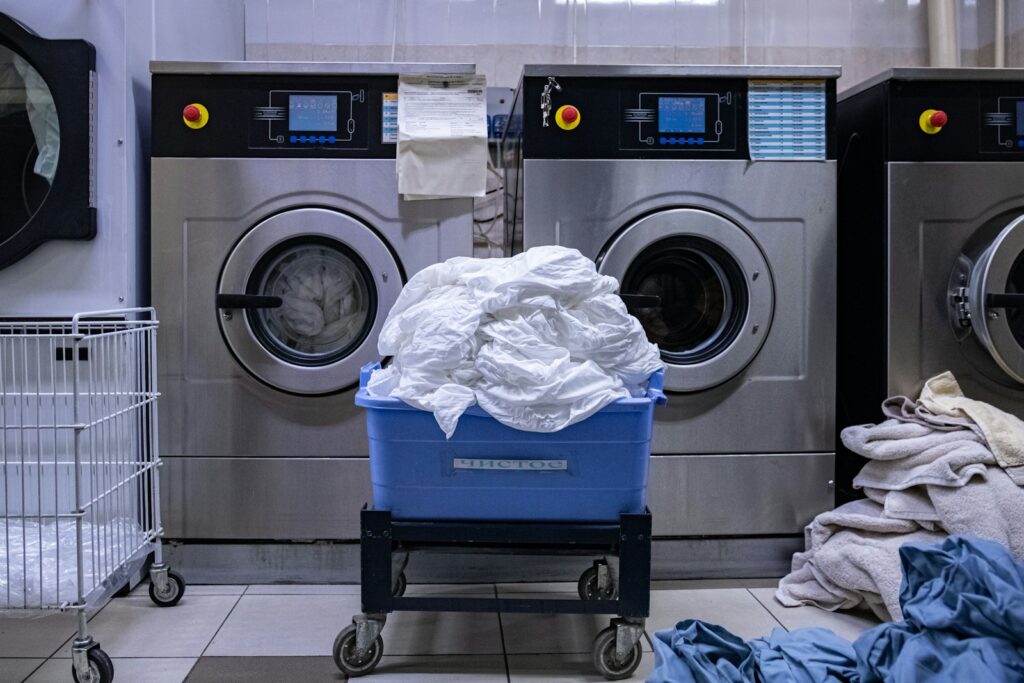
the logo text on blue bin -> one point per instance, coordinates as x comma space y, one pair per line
510, 465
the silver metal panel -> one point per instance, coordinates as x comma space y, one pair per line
784, 401
733, 495
680, 71
211, 405
302, 68
264, 498
928, 73
929, 226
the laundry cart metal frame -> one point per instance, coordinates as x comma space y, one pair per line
385, 544
79, 449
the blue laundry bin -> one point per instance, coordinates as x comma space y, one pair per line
591, 471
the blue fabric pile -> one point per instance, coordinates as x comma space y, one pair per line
963, 603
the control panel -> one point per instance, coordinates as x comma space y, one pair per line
935, 120
242, 115
672, 117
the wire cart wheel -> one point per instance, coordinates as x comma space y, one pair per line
607, 661
168, 591
101, 668
352, 662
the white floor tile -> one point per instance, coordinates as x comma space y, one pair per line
17, 670
150, 670
142, 590
761, 583
304, 589
696, 584
441, 669
551, 633
35, 634
305, 625
732, 608
135, 627
848, 625
284, 625
563, 668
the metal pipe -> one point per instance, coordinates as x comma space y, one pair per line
942, 36
1000, 42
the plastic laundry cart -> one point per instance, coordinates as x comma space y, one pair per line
489, 488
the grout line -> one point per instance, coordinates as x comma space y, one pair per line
501, 632
765, 608
33, 671
228, 616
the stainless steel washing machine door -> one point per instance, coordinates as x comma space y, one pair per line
302, 299
992, 300
701, 288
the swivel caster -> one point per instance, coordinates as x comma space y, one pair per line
596, 583
349, 658
95, 664
609, 661
166, 587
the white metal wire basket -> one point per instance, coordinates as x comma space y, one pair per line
80, 487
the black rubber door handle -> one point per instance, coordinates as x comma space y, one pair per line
248, 301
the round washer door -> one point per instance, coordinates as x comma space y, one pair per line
303, 297
996, 299
700, 287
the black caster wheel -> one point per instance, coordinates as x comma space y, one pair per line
589, 590
170, 596
607, 663
398, 590
345, 654
101, 669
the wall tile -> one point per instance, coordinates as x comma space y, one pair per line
471, 22
871, 24
336, 22
376, 22
786, 24
604, 23
291, 21
910, 24
699, 25
423, 22
653, 22
829, 23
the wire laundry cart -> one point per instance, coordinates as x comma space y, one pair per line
495, 489
80, 489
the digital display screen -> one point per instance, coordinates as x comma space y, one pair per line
681, 115
313, 113
1020, 117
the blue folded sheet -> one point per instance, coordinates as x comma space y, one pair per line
963, 604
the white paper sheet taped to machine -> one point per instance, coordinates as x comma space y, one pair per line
442, 136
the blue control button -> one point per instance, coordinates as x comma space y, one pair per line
302, 138
323, 138
692, 141
700, 141
331, 139
292, 139
671, 141
663, 140
1020, 143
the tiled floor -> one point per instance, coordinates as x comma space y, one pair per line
285, 633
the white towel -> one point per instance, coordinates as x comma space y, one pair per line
1003, 432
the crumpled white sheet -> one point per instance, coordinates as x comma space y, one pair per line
540, 341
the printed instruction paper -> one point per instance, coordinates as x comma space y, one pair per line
442, 136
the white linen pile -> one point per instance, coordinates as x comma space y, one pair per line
933, 472
540, 341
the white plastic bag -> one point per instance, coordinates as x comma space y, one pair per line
540, 341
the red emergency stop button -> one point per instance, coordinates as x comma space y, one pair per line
195, 115
567, 117
933, 120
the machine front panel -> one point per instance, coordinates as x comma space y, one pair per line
347, 116
985, 121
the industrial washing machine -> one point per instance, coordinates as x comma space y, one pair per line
709, 193
279, 245
931, 239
